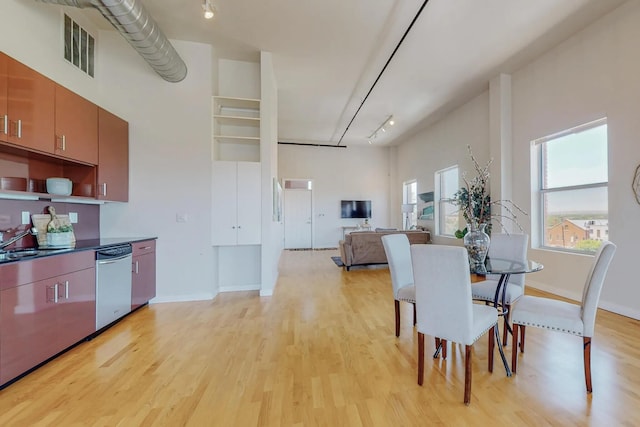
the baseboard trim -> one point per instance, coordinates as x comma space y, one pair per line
240, 288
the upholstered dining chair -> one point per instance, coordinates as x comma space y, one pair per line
560, 316
505, 246
398, 251
444, 305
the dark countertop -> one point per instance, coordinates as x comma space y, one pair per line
81, 245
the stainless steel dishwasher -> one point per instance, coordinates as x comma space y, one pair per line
113, 284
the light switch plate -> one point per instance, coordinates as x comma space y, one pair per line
26, 217
73, 217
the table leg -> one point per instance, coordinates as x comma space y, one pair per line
502, 286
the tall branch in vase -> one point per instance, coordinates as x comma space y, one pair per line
474, 200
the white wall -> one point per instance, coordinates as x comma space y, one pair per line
170, 130
272, 228
170, 162
339, 173
443, 145
593, 74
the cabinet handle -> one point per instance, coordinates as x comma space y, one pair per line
66, 289
5, 124
104, 188
18, 128
145, 247
239, 227
233, 228
63, 143
55, 293
137, 267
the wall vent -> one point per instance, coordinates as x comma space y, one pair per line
79, 46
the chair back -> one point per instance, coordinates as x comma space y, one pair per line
398, 251
443, 292
593, 286
509, 246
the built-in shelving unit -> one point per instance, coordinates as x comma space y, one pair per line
236, 121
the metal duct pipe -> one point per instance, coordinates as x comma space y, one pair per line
135, 24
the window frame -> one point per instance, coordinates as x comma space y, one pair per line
443, 201
406, 196
539, 166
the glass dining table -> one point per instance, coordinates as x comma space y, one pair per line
505, 268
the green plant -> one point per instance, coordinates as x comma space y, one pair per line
61, 229
474, 200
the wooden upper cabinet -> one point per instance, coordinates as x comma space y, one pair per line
76, 135
4, 115
30, 107
113, 157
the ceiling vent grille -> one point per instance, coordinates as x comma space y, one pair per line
79, 46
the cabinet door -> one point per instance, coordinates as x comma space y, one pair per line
30, 104
143, 283
113, 157
28, 334
249, 203
4, 115
76, 129
76, 306
224, 209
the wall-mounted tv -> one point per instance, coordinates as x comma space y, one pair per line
355, 208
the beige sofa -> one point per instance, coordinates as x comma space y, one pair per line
365, 247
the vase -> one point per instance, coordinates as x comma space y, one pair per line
477, 241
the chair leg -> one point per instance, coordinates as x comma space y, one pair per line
505, 332
492, 344
514, 349
397, 304
467, 375
587, 362
522, 330
420, 358
444, 348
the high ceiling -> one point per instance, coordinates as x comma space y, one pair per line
328, 54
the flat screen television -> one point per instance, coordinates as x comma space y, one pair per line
355, 208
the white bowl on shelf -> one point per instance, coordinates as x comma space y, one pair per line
59, 186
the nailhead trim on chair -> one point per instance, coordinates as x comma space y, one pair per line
412, 301
537, 325
484, 332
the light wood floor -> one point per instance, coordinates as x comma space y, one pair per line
321, 351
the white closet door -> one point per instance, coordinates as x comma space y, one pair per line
224, 201
249, 203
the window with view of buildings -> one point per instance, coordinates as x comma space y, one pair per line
447, 184
572, 188
409, 204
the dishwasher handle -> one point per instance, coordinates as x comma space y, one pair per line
112, 260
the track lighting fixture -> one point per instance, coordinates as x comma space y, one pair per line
208, 9
382, 128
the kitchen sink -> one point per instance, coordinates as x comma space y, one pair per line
14, 254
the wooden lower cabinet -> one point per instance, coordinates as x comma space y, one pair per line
143, 283
40, 319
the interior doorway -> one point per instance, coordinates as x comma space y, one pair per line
298, 216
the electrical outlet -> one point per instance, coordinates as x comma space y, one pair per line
26, 217
73, 217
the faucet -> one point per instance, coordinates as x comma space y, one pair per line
33, 231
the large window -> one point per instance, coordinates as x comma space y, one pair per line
573, 183
409, 205
447, 185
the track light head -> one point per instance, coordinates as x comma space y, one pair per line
208, 9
